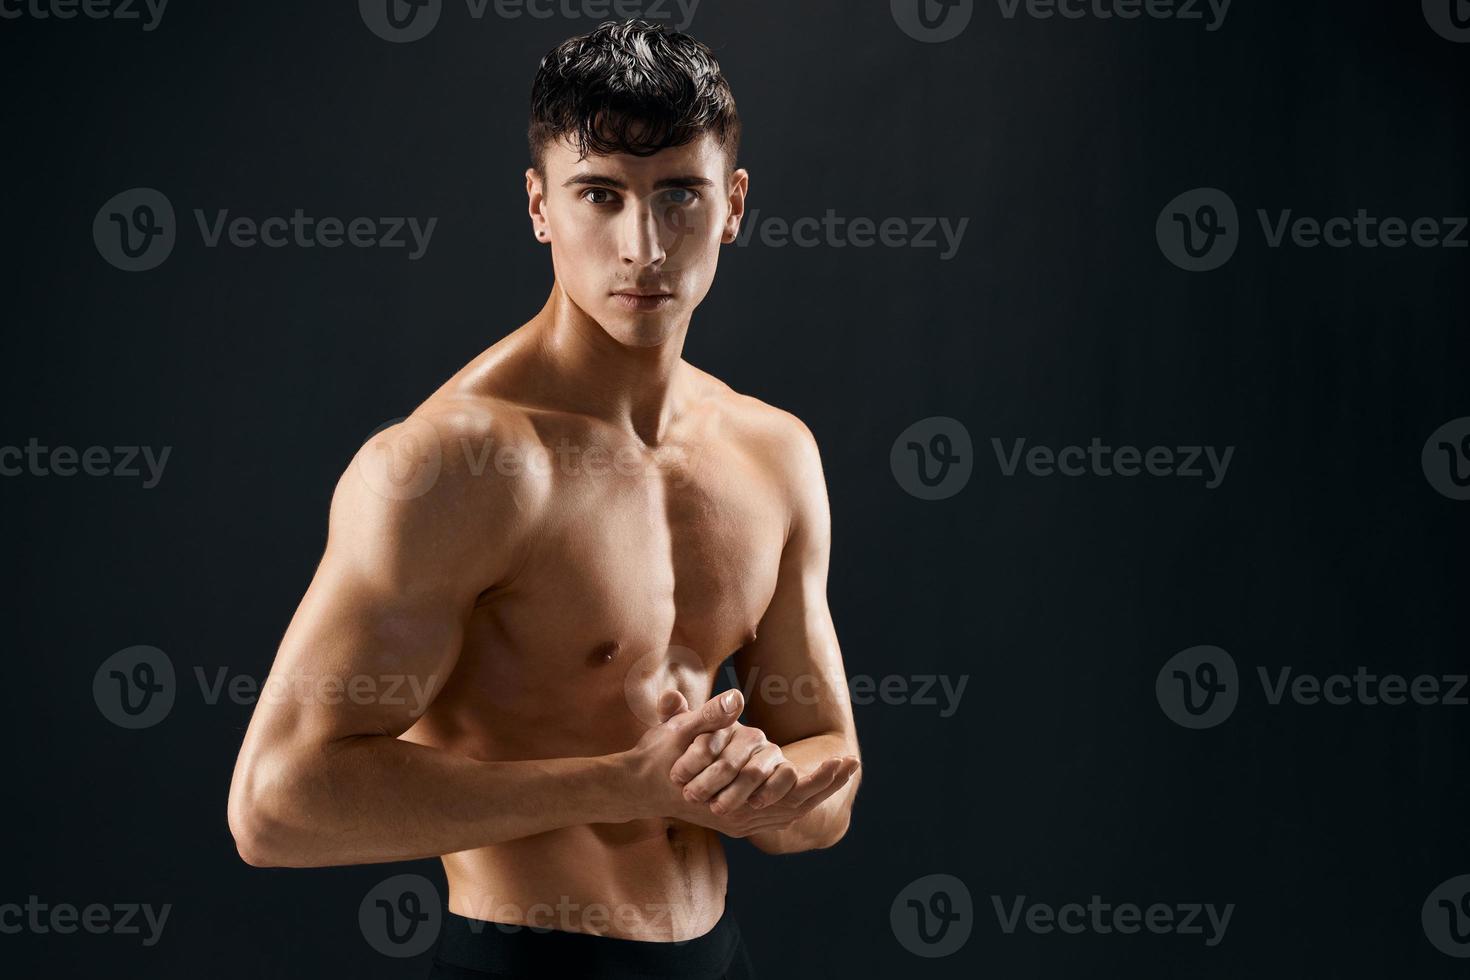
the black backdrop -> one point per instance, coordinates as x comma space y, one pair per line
1329, 546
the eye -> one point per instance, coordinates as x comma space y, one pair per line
692, 195
596, 190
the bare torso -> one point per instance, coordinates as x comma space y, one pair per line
647, 568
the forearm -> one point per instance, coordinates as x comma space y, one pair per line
826, 824
375, 798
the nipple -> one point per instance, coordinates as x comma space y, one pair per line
605, 653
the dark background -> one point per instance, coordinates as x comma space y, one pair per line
1060, 319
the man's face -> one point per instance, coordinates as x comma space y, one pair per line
635, 240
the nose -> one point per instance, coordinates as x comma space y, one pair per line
641, 236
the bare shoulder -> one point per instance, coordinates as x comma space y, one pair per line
435, 487
777, 439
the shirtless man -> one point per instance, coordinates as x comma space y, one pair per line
557, 551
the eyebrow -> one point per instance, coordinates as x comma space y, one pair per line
587, 177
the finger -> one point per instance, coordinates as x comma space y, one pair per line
670, 703
813, 782
763, 762
723, 770
714, 714
701, 752
817, 798
776, 786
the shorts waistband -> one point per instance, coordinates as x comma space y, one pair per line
496, 947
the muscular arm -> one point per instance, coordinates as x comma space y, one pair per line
804, 706
322, 777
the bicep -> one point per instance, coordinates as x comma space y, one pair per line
380, 628
793, 672
361, 657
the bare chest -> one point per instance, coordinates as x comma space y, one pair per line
637, 582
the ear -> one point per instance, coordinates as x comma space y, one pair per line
536, 205
739, 186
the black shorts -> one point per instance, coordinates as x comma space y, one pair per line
474, 949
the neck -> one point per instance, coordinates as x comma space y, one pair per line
637, 389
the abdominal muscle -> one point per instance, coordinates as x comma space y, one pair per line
658, 880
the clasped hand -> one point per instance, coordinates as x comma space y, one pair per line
701, 765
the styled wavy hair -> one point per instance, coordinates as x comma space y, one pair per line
631, 87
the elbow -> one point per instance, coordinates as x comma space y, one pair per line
245, 828
834, 835
260, 836
250, 827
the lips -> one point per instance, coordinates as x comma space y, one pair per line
643, 302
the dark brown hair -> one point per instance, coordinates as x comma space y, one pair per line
631, 87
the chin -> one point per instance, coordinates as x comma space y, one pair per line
639, 333
641, 329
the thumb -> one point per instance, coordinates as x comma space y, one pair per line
714, 714
669, 704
